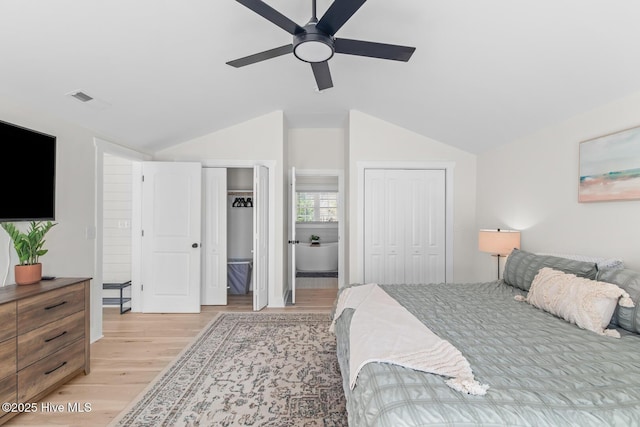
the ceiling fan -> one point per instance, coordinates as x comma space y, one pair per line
315, 42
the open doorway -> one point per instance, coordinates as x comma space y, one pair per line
236, 235
130, 158
316, 224
117, 197
240, 206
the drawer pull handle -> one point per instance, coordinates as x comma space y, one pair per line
55, 369
57, 336
55, 305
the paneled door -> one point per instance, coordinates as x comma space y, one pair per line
404, 226
260, 237
171, 202
293, 210
214, 247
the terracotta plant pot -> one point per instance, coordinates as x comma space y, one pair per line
28, 274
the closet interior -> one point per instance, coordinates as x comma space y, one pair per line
240, 203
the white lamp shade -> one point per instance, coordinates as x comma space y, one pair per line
498, 242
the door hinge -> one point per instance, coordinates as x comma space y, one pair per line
141, 287
142, 233
142, 178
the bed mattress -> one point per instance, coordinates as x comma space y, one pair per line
541, 370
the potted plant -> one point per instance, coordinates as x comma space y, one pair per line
315, 240
29, 247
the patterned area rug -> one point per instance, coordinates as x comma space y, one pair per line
249, 369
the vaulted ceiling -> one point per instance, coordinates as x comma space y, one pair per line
484, 72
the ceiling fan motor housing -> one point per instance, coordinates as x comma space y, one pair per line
313, 45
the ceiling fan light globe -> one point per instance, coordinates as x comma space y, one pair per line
313, 51
313, 45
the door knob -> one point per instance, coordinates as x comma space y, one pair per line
195, 245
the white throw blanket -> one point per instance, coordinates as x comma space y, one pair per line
384, 331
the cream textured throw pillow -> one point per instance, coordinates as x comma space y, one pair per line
584, 302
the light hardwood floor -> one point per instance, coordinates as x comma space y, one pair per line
134, 350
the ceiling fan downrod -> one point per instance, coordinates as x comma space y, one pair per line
313, 45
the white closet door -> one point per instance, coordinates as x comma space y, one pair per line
260, 237
214, 283
425, 227
404, 223
395, 210
293, 209
436, 231
415, 226
374, 226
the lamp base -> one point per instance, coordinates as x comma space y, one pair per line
498, 256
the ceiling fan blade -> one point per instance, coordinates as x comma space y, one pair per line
257, 57
338, 13
322, 74
269, 13
373, 50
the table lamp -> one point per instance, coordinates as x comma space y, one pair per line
498, 243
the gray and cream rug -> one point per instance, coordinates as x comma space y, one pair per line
249, 369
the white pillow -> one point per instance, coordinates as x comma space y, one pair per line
583, 302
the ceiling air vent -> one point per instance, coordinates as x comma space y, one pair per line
81, 96
88, 100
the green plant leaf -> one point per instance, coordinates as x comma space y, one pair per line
28, 245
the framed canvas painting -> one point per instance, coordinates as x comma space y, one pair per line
610, 167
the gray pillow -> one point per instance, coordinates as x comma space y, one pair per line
522, 267
625, 317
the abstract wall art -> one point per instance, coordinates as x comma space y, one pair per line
610, 167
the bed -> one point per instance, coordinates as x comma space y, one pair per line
541, 369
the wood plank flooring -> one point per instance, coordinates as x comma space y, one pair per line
134, 350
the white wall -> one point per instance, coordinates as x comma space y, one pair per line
240, 179
257, 140
318, 148
117, 199
532, 185
71, 242
346, 271
372, 139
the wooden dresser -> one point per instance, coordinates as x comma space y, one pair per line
44, 339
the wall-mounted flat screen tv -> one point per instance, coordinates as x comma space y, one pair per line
27, 174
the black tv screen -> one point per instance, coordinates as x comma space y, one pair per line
27, 173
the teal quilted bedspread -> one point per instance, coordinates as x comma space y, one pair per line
542, 370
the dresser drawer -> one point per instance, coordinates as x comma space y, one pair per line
7, 391
49, 306
7, 320
47, 339
48, 372
8, 358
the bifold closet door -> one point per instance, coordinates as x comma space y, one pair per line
404, 226
425, 227
384, 237
214, 280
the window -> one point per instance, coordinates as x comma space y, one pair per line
317, 206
